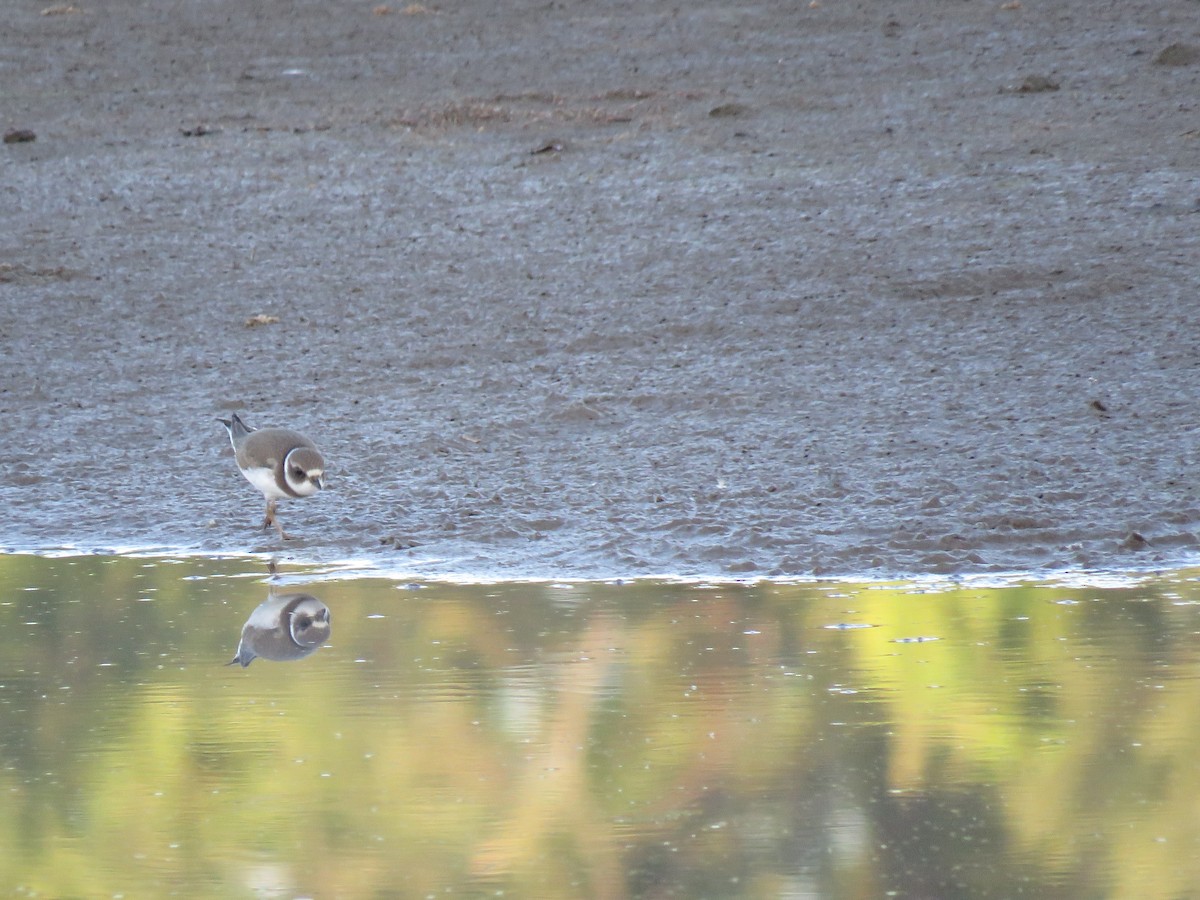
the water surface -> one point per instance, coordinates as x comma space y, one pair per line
593, 740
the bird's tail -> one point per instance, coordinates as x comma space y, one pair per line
235, 426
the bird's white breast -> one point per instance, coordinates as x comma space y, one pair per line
264, 480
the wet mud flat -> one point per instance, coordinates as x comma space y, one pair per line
574, 290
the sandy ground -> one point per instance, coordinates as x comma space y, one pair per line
609, 288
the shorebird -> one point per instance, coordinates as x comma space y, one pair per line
278, 461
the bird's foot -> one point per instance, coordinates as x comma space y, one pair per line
272, 519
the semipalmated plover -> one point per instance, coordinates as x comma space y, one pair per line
290, 626
278, 461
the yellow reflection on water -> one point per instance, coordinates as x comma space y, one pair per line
595, 740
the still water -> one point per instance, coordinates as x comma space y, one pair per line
594, 740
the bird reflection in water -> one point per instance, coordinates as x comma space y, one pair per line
283, 627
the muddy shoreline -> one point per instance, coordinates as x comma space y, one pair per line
627, 290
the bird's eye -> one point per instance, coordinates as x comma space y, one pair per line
298, 474
302, 623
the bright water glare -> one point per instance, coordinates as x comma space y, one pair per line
592, 740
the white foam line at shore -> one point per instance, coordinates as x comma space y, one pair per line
418, 571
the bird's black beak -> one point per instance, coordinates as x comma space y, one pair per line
319, 482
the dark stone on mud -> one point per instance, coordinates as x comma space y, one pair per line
1036, 84
1135, 541
1177, 55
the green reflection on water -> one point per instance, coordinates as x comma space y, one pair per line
589, 740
